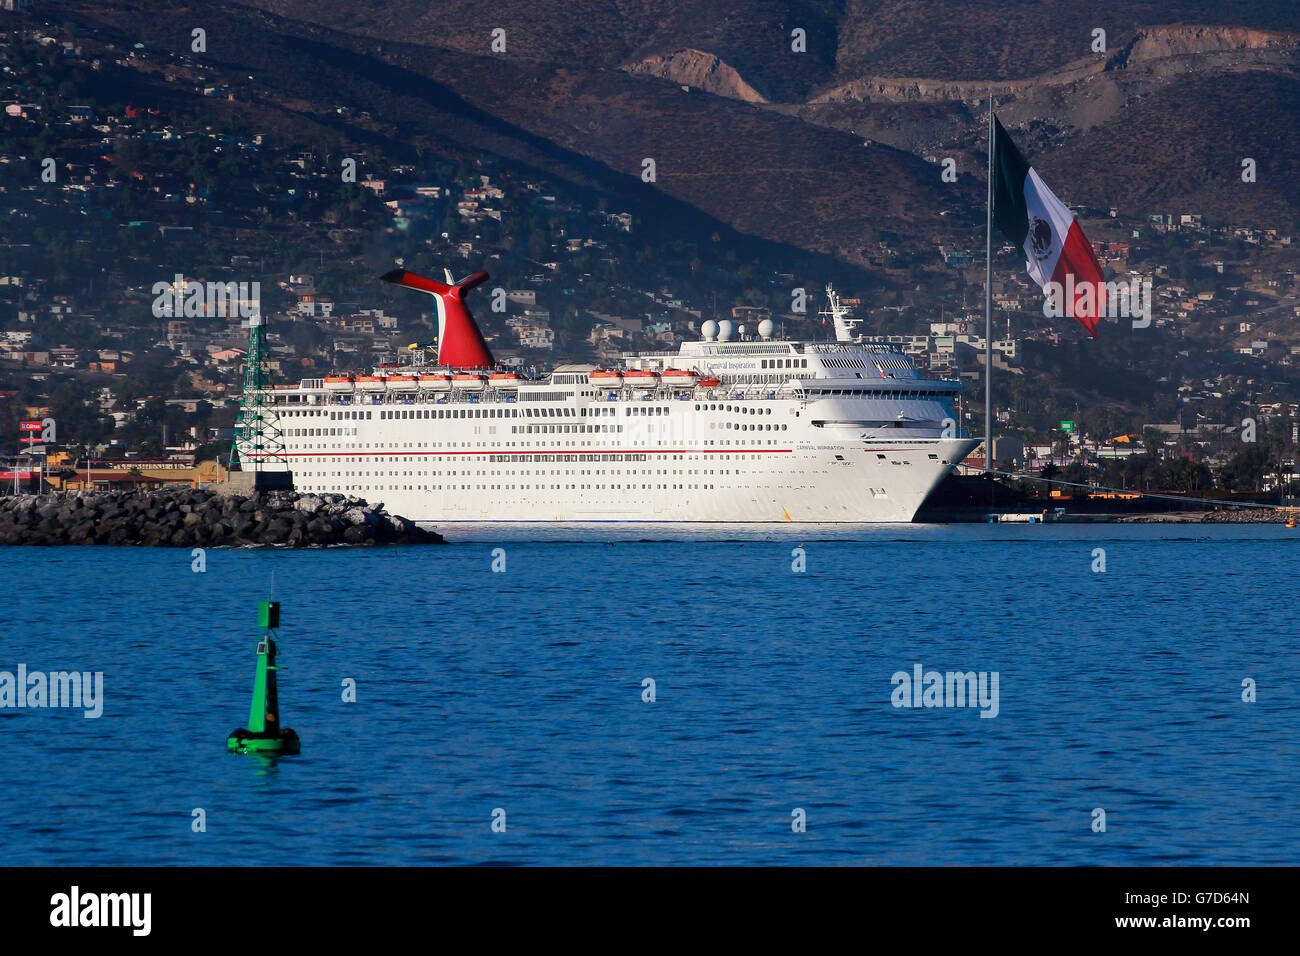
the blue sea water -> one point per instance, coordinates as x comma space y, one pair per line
522, 690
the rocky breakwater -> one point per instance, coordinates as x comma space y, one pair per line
1217, 516
198, 518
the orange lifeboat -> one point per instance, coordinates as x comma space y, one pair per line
678, 378
401, 383
370, 383
638, 378
469, 381
504, 380
605, 379
338, 383
708, 383
435, 383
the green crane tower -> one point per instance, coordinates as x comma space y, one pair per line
257, 443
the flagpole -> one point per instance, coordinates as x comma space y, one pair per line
988, 318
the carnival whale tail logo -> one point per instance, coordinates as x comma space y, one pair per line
460, 343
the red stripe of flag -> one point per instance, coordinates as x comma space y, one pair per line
1078, 262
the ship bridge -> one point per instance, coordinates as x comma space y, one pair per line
798, 367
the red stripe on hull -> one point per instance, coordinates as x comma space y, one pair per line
541, 451
551, 451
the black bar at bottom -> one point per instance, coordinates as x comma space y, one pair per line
655, 906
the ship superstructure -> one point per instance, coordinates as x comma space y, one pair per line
749, 429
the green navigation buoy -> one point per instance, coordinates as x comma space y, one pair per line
263, 735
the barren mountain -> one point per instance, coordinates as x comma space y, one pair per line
813, 148
1131, 120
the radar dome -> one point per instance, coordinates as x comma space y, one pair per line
765, 329
724, 330
709, 330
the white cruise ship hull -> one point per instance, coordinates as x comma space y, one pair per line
727, 462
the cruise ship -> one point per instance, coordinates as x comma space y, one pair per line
733, 427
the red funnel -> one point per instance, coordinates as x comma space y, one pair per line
460, 343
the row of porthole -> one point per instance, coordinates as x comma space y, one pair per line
731, 408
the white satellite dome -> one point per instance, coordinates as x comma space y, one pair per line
724, 330
765, 329
741, 331
709, 330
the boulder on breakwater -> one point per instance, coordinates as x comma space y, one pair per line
199, 518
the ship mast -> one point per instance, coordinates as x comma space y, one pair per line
838, 315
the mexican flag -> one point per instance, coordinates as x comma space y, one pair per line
1057, 254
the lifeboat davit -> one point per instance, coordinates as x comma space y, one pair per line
338, 383
504, 380
638, 378
678, 378
469, 382
370, 383
605, 379
401, 383
435, 383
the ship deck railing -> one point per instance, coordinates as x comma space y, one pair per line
796, 389
801, 390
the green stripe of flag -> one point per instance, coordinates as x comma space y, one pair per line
1009, 171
